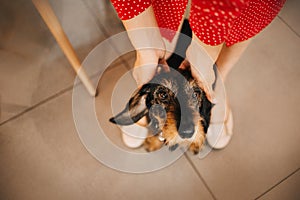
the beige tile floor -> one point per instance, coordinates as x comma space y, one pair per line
42, 156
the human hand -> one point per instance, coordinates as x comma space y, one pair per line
148, 63
145, 37
201, 81
201, 65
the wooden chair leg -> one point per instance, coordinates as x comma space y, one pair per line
57, 31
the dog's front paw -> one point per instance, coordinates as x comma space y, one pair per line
152, 143
196, 145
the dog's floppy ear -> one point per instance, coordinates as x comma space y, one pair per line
205, 111
135, 109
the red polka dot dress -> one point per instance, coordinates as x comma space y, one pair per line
212, 21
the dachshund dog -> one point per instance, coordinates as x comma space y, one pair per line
177, 110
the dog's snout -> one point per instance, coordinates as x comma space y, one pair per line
186, 131
186, 125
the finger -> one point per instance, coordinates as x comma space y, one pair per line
184, 65
201, 81
143, 74
143, 121
164, 65
210, 94
208, 90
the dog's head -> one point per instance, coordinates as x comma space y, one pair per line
173, 103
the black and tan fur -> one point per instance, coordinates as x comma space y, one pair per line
176, 107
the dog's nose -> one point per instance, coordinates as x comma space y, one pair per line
186, 131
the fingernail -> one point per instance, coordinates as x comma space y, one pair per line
214, 100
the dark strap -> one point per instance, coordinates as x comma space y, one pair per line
183, 42
215, 67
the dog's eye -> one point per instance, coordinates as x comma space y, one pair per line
163, 95
195, 95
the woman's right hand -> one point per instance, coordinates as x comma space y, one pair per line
145, 37
146, 65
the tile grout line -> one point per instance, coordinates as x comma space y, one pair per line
51, 97
283, 21
63, 91
106, 34
128, 67
274, 186
199, 175
101, 27
37, 105
57, 94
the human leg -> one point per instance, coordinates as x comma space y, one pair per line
229, 56
221, 127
